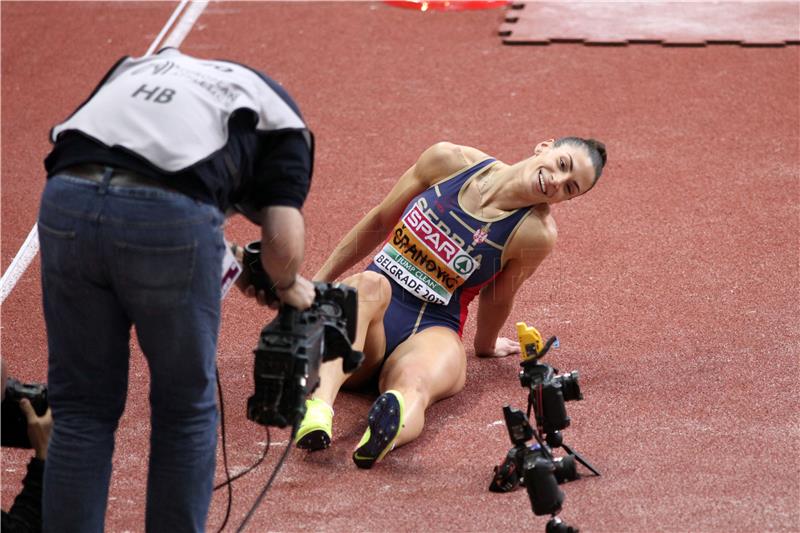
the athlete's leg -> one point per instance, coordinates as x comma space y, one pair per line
426, 368
374, 295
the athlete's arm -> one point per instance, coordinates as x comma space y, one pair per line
532, 243
435, 163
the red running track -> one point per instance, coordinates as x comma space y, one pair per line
673, 288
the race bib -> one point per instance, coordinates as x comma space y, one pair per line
424, 260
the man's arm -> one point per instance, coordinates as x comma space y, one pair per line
531, 245
282, 250
277, 192
434, 164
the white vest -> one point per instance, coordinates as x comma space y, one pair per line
173, 109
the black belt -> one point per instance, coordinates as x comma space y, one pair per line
120, 177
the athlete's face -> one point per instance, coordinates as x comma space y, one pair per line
558, 173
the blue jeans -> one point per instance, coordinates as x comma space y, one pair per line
113, 257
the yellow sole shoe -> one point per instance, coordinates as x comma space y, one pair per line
314, 432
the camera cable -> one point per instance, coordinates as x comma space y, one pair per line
228, 479
224, 455
269, 483
247, 470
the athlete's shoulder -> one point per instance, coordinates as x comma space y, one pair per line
537, 232
444, 158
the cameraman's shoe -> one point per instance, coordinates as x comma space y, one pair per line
316, 428
386, 419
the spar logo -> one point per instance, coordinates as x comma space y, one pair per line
430, 248
433, 237
463, 265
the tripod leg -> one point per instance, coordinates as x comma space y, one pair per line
580, 459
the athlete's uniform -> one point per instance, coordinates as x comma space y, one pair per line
439, 256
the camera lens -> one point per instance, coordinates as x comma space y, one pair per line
253, 247
251, 261
566, 469
252, 258
540, 482
556, 525
569, 386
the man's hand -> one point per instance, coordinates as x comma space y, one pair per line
300, 294
503, 347
39, 428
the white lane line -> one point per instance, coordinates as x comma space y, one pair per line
20, 263
30, 247
186, 23
166, 27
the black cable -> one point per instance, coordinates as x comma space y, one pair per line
249, 469
224, 455
228, 479
268, 485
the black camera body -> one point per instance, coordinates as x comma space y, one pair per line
14, 423
553, 391
533, 466
292, 347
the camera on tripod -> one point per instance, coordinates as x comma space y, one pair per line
292, 347
15, 425
535, 466
552, 390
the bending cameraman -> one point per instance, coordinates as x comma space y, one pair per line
131, 234
25, 514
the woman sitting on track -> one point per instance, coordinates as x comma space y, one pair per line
460, 224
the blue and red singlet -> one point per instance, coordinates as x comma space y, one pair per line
439, 256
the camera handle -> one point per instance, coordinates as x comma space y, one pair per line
555, 440
286, 316
337, 338
339, 345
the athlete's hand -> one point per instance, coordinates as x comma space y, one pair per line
503, 347
300, 294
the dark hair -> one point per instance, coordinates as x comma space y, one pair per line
596, 149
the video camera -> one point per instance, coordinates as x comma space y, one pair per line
535, 466
292, 347
549, 390
14, 423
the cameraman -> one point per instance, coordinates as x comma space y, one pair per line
131, 234
26, 512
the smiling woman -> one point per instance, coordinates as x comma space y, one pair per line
460, 224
